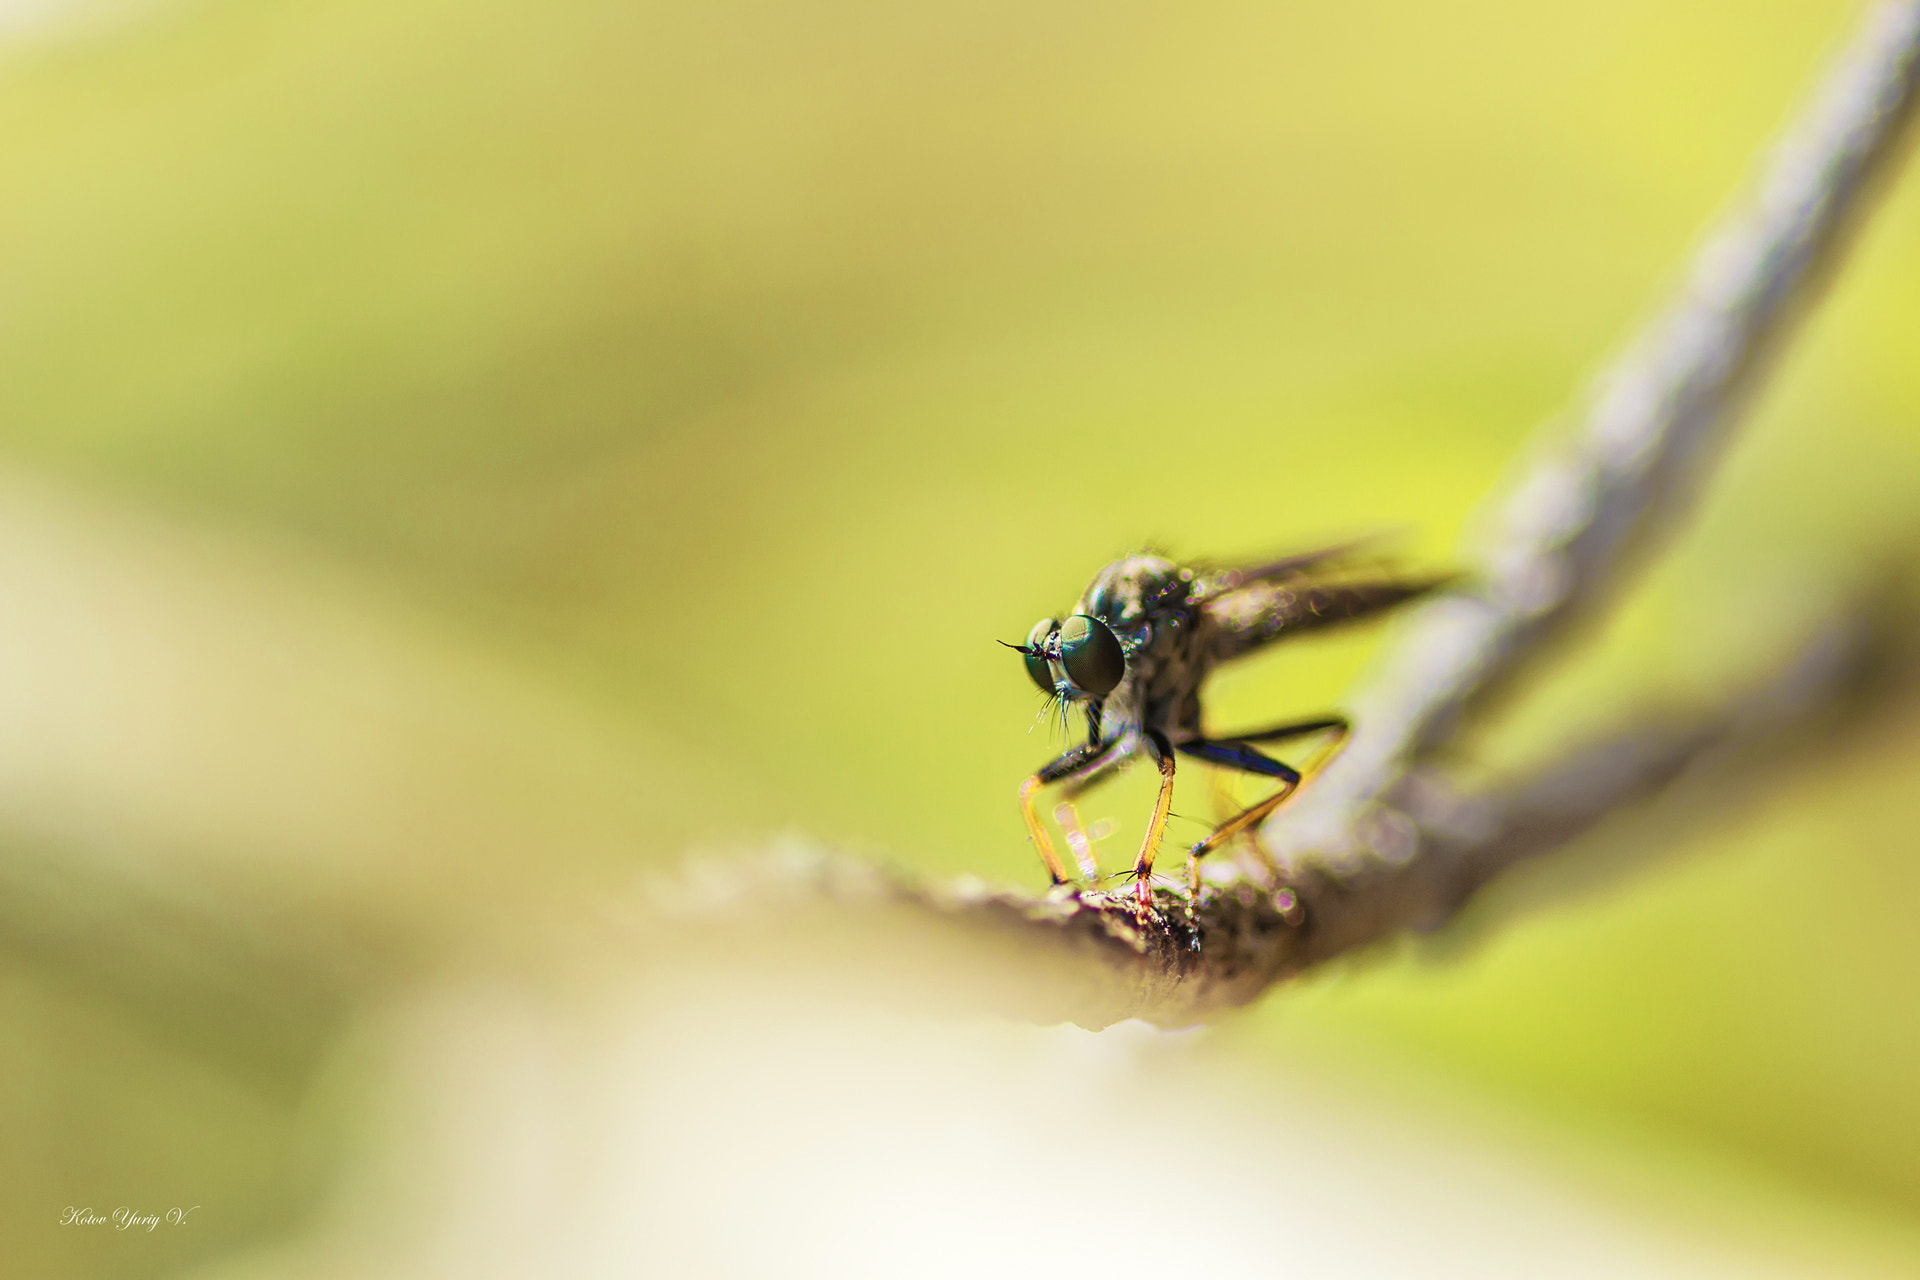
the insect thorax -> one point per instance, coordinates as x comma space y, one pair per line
1144, 599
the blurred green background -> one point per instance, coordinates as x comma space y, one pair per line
454, 450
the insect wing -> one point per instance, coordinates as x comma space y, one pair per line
1258, 613
1324, 562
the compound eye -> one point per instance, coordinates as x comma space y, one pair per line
1094, 660
1036, 653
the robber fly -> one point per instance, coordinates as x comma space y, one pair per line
1137, 649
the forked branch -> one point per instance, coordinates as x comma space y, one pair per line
1384, 842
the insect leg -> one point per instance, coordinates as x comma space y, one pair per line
1047, 773
1162, 752
1100, 766
1296, 729
1237, 754
1080, 768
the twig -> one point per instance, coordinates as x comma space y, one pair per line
1087, 957
1382, 842
1566, 531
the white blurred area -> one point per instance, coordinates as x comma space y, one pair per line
728, 1126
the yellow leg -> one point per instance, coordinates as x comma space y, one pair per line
1243, 821
1041, 843
1249, 820
1143, 865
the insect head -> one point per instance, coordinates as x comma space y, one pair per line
1080, 658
